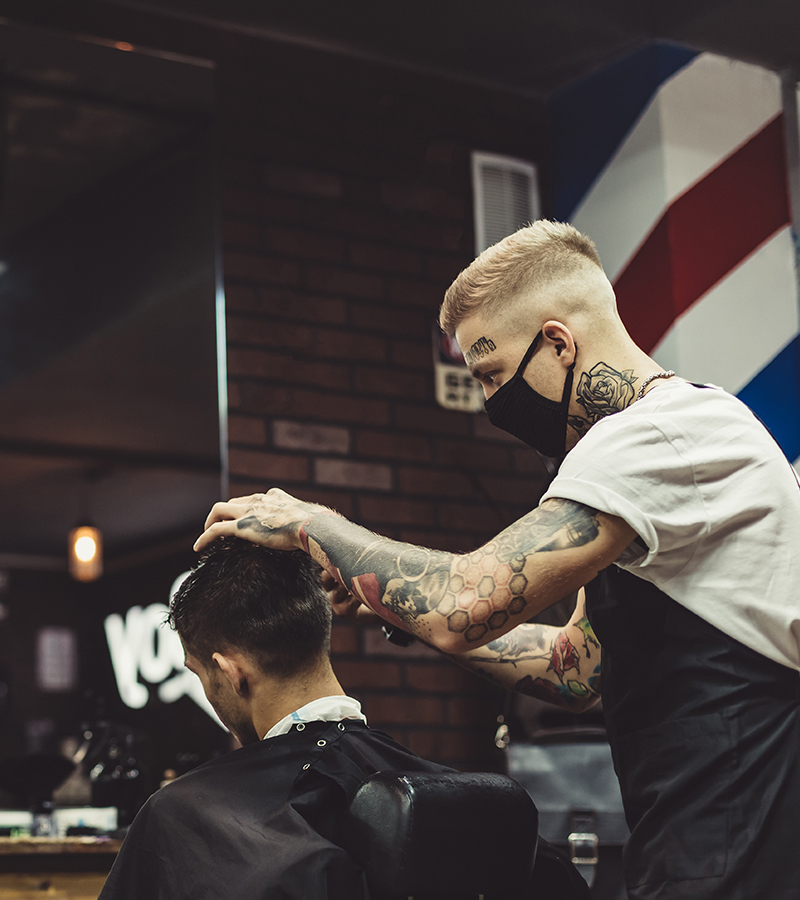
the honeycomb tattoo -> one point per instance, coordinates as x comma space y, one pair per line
476, 593
483, 593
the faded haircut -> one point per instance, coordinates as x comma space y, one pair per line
530, 258
269, 604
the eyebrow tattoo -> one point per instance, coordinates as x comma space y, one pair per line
482, 347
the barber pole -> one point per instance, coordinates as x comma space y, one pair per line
676, 165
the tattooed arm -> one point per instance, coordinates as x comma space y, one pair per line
560, 665
455, 602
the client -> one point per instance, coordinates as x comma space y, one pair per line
260, 822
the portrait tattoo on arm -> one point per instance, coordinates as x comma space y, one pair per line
474, 593
558, 665
601, 392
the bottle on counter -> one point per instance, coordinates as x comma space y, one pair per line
116, 779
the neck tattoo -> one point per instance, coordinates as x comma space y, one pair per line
649, 379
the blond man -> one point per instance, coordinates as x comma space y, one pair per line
682, 504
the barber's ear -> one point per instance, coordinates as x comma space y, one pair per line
561, 338
232, 669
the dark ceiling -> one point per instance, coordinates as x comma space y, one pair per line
530, 46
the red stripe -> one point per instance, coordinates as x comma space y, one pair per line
704, 234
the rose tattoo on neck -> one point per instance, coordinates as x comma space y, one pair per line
601, 392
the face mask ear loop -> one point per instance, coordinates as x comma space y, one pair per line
565, 396
528, 354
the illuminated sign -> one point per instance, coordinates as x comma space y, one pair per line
145, 651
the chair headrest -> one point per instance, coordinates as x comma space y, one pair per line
445, 834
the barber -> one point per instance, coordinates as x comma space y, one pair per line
683, 505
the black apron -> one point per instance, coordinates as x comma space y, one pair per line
705, 736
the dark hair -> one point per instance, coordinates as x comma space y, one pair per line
267, 603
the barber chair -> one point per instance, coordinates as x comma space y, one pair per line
453, 836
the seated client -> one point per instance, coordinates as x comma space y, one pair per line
261, 821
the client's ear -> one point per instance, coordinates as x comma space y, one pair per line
233, 669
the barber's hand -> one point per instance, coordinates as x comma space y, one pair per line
272, 520
347, 606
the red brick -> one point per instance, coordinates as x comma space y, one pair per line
413, 355
483, 428
394, 510
423, 198
250, 267
440, 540
348, 473
430, 418
391, 319
446, 678
303, 181
289, 435
254, 362
388, 226
433, 482
391, 445
454, 747
263, 205
285, 367
514, 490
476, 710
302, 306
368, 674
402, 709
271, 467
240, 297
527, 462
472, 454
341, 501
344, 639
385, 258
444, 269
473, 516
304, 402
375, 644
238, 233
344, 281
246, 430
306, 244
426, 295
312, 342
389, 382
234, 396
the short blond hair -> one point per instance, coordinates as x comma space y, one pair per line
530, 258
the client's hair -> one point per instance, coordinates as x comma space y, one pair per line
267, 603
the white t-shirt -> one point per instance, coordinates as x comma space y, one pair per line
706, 487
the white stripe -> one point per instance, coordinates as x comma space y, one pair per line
743, 322
696, 120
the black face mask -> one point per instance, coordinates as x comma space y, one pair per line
518, 409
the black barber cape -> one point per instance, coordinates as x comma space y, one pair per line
258, 823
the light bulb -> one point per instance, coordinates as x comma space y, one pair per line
85, 553
85, 548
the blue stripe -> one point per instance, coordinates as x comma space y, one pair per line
589, 119
774, 396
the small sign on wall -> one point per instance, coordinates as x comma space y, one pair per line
455, 387
56, 659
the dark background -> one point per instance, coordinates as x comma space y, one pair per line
341, 174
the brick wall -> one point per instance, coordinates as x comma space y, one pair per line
346, 212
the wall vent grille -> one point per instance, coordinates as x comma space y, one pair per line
506, 197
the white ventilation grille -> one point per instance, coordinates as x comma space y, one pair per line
506, 197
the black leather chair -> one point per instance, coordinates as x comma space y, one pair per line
454, 836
